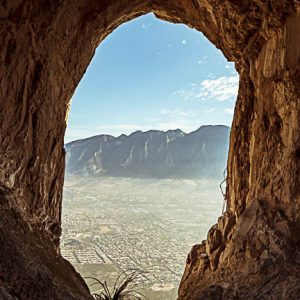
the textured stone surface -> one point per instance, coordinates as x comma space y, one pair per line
29, 268
46, 47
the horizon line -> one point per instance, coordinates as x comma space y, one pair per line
157, 130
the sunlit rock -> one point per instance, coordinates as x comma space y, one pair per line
46, 47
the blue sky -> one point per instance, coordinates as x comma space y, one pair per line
151, 74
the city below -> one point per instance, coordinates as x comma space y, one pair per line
112, 225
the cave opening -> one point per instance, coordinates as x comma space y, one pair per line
154, 87
253, 250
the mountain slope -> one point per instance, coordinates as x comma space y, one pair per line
153, 154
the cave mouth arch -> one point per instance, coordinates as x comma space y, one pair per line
46, 48
83, 162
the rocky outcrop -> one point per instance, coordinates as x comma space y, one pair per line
29, 268
253, 251
46, 46
256, 258
152, 154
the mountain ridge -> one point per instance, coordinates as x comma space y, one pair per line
151, 154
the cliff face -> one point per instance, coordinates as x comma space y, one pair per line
46, 46
152, 154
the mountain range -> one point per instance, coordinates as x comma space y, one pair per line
152, 154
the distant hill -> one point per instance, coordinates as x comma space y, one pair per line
152, 154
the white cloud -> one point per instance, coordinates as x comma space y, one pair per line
153, 120
183, 124
118, 129
202, 60
115, 130
187, 124
146, 25
221, 89
164, 50
229, 111
227, 66
185, 94
176, 112
77, 133
126, 127
211, 110
184, 42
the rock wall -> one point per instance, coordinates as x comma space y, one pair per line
46, 47
253, 250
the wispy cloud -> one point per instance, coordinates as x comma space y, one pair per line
229, 110
164, 50
77, 133
220, 89
209, 111
144, 26
184, 41
186, 94
176, 112
202, 60
183, 124
125, 127
116, 130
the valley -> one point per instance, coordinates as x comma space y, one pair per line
115, 224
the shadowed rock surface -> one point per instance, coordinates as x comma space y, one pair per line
152, 154
46, 46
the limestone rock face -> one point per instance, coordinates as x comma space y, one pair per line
46, 46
